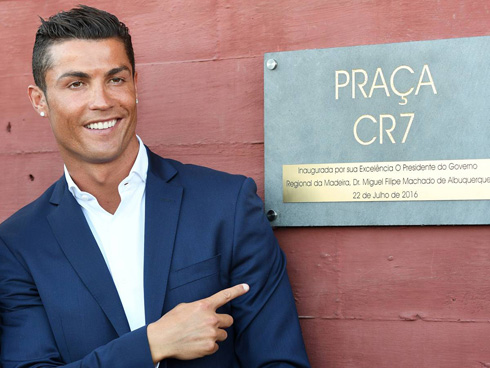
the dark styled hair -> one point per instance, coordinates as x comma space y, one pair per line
83, 23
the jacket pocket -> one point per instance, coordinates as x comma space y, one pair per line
194, 272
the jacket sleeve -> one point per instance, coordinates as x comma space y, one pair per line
27, 339
266, 322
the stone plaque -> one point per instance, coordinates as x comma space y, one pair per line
393, 134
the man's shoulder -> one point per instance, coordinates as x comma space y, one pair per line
205, 187
29, 215
193, 171
196, 175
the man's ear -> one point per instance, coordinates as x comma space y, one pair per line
38, 100
135, 78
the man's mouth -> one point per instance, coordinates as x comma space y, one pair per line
102, 125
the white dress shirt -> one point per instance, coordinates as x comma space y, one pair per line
121, 236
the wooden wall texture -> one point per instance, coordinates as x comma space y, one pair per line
368, 297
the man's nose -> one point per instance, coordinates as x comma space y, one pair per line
100, 98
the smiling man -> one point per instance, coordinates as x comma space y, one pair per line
130, 260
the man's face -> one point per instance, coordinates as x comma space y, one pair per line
91, 100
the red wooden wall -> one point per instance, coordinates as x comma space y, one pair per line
368, 297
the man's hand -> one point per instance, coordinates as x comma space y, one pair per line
192, 330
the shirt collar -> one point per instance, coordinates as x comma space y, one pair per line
139, 169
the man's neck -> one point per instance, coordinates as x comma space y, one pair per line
102, 179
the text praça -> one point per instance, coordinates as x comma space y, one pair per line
358, 80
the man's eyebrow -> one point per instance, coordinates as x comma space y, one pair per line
117, 70
74, 74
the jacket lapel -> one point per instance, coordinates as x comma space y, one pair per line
79, 246
163, 201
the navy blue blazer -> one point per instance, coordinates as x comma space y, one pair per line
204, 231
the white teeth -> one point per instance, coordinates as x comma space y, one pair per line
102, 125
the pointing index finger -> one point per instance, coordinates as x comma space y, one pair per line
226, 295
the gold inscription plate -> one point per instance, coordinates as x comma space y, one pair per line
445, 180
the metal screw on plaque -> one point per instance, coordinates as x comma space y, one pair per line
271, 64
271, 215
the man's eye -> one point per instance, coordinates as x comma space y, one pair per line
116, 80
76, 84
